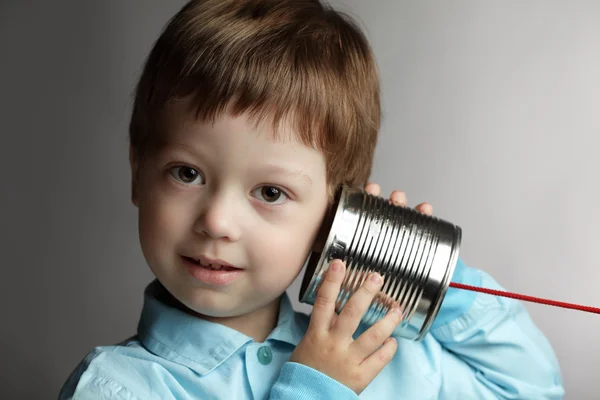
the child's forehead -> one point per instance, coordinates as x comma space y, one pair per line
182, 115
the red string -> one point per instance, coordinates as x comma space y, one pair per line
554, 303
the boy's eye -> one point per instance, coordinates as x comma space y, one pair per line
270, 194
186, 175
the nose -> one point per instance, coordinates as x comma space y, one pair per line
218, 218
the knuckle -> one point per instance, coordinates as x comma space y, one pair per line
386, 355
396, 318
327, 285
322, 301
311, 339
357, 377
377, 335
316, 340
327, 350
332, 350
368, 289
351, 310
386, 325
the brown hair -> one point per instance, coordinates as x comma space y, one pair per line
296, 60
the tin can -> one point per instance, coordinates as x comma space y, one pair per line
414, 253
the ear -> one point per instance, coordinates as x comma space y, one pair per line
321, 238
134, 164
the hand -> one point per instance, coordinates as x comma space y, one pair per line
398, 198
328, 345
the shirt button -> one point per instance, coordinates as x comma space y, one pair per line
265, 355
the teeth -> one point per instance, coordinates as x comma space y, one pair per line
214, 267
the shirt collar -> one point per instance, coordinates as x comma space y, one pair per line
198, 344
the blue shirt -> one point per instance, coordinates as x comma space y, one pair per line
480, 347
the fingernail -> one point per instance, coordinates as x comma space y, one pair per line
375, 278
397, 310
335, 266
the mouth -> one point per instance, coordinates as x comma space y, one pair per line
212, 265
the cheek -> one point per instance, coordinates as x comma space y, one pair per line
161, 223
155, 225
284, 249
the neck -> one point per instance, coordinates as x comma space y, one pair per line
257, 324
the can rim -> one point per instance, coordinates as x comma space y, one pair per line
441, 293
316, 261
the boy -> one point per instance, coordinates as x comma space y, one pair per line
247, 117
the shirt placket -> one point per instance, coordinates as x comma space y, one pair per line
263, 363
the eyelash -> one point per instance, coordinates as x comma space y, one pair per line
172, 171
281, 191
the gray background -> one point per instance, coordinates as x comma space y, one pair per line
491, 114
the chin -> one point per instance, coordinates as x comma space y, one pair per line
213, 308
208, 304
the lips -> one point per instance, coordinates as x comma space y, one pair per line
215, 265
211, 272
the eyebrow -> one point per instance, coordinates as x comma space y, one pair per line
170, 146
292, 173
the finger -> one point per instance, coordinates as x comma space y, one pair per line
380, 358
353, 311
425, 208
324, 306
373, 188
376, 335
398, 198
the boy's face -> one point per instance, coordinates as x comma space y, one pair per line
228, 191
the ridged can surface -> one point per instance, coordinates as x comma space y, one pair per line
415, 254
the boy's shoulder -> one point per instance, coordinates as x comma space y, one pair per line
112, 372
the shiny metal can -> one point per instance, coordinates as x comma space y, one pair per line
415, 254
